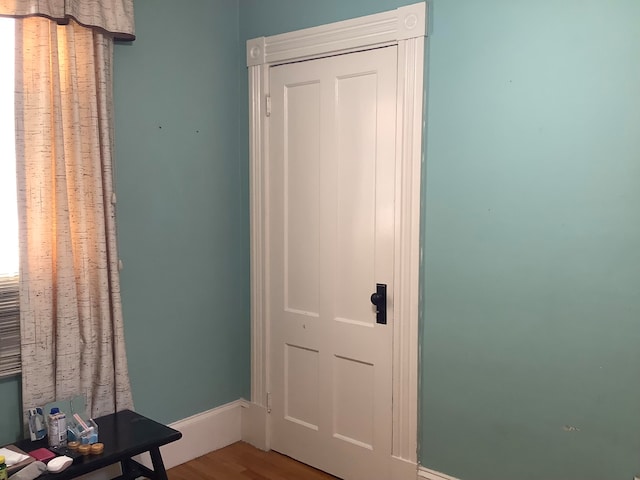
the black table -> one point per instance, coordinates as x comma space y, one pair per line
124, 434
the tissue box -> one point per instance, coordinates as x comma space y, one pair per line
81, 430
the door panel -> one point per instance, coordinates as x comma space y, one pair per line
302, 186
331, 188
301, 394
355, 119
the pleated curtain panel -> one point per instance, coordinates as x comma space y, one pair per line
114, 17
72, 335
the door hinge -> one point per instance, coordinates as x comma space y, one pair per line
268, 402
268, 105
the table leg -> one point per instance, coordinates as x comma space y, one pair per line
127, 467
158, 465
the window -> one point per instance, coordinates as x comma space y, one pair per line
9, 301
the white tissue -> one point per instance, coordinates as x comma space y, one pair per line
11, 457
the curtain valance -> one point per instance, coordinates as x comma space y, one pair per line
112, 16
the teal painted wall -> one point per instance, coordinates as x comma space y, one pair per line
263, 18
185, 281
10, 421
531, 233
532, 261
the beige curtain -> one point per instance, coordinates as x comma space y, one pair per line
114, 16
71, 319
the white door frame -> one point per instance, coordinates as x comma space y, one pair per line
405, 27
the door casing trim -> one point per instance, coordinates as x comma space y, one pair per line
405, 27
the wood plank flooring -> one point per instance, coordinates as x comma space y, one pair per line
241, 461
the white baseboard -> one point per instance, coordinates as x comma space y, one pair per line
433, 475
402, 469
202, 433
254, 425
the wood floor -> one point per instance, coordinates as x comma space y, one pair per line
241, 461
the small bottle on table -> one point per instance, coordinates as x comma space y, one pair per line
3, 469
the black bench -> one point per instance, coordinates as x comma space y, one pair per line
124, 434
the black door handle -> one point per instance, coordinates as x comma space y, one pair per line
379, 299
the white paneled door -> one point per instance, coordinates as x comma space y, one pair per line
331, 226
